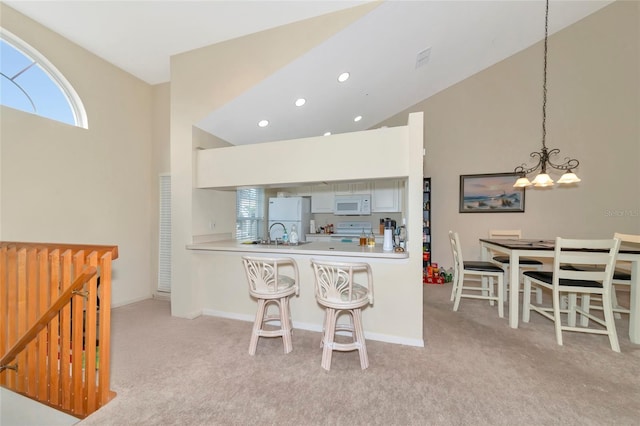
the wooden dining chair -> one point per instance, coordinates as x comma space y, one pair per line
575, 282
525, 263
621, 277
465, 271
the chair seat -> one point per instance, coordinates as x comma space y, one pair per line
341, 300
618, 274
522, 261
547, 277
481, 266
285, 286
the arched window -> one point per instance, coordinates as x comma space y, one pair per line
29, 82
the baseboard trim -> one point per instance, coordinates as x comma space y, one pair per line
318, 328
161, 295
129, 302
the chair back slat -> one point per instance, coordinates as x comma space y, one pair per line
514, 234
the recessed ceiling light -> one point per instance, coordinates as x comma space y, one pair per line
358, 118
327, 134
343, 77
301, 102
263, 123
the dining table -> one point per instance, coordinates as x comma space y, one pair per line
542, 248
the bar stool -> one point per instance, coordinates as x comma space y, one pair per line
339, 294
270, 287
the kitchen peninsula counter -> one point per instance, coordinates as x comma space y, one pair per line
395, 317
310, 248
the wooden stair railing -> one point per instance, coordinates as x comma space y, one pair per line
54, 344
43, 321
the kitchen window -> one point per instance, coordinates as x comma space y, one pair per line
249, 213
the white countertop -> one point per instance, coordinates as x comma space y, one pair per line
311, 248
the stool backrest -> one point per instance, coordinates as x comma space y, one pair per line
335, 281
264, 273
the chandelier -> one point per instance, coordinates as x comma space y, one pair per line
543, 157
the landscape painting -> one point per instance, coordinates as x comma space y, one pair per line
490, 193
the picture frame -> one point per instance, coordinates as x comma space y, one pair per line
490, 193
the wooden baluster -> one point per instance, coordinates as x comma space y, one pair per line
4, 308
21, 384
90, 338
77, 337
65, 336
44, 302
31, 306
104, 393
54, 330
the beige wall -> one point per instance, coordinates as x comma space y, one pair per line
491, 122
66, 184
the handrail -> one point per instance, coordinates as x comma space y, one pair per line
87, 273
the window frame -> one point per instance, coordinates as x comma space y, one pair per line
73, 99
258, 219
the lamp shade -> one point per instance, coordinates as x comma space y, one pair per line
569, 177
542, 180
522, 182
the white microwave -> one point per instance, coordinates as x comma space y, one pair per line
352, 205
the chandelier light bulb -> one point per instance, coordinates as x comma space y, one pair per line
522, 182
569, 177
542, 180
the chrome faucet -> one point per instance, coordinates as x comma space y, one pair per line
284, 229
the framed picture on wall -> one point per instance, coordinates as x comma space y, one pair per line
490, 193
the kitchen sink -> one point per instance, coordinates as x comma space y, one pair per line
280, 243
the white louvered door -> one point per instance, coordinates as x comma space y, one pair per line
164, 251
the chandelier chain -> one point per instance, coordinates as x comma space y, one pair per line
543, 157
544, 77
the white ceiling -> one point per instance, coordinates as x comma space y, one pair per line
379, 51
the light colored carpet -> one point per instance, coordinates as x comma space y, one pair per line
474, 370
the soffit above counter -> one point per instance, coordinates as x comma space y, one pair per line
358, 156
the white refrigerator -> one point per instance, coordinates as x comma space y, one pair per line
289, 211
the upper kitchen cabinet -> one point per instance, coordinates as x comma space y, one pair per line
386, 196
322, 199
352, 188
302, 191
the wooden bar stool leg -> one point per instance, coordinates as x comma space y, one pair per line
257, 326
285, 324
325, 326
329, 334
358, 335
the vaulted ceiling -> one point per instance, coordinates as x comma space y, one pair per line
399, 54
